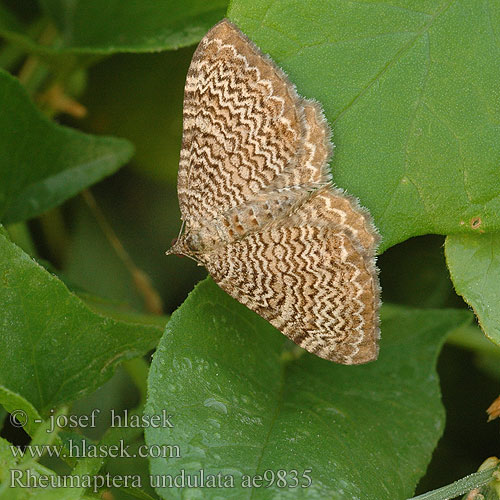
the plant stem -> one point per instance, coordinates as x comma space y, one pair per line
459, 487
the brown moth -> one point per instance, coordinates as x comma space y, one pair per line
259, 209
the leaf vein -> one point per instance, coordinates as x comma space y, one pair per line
399, 54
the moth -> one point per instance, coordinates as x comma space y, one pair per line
258, 206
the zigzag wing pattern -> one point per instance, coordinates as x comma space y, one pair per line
243, 125
311, 282
259, 207
290, 188
332, 207
311, 169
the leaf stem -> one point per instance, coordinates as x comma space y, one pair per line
461, 486
152, 299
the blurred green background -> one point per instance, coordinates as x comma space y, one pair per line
139, 97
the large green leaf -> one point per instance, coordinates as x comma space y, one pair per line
240, 406
42, 164
474, 263
411, 91
93, 26
53, 348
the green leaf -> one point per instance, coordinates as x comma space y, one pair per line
411, 92
24, 412
53, 348
17, 474
241, 406
93, 26
474, 263
42, 164
16, 470
7, 461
